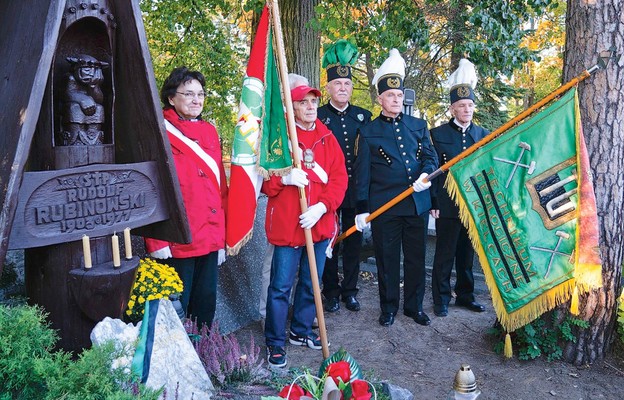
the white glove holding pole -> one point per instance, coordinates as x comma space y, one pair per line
360, 221
309, 218
296, 177
419, 185
162, 254
221, 257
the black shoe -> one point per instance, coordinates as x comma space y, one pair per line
422, 319
332, 304
471, 305
351, 303
276, 356
386, 319
313, 342
440, 310
410, 313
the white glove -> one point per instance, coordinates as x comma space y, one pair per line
309, 218
221, 257
419, 185
296, 177
162, 254
360, 221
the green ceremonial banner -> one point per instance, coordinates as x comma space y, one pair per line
260, 143
520, 197
274, 154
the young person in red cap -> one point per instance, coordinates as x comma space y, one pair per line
324, 177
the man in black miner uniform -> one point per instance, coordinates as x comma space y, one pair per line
343, 119
394, 152
452, 241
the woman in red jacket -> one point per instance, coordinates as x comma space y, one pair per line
197, 154
324, 177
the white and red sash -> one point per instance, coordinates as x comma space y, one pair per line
189, 147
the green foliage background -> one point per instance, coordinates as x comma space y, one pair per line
206, 36
517, 54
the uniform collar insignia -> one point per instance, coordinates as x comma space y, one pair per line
390, 119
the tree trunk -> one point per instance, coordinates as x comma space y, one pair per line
370, 74
592, 27
302, 43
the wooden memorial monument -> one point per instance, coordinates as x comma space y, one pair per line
85, 156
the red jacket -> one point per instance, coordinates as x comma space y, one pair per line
283, 208
204, 202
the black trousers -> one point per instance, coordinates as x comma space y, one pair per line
199, 276
452, 247
390, 234
351, 247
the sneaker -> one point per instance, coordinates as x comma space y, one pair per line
313, 342
276, 356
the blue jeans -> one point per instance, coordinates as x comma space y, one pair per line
287, 261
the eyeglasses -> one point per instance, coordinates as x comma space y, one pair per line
191, 95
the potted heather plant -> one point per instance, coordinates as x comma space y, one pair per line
153, 281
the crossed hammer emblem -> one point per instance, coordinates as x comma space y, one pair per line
561, 236
531, 167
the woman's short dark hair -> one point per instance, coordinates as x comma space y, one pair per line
177, 77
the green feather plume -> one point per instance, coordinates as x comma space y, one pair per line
342, 52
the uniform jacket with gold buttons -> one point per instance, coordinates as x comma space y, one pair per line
391, 155
344, 126
449, 141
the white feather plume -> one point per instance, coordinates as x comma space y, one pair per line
394, 64
465, 74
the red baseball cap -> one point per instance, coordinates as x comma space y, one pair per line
298, 93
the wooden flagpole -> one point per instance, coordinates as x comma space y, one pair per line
292, 133
562, 89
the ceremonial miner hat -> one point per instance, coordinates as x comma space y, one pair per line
85, 60
391, 73
338, 59
463, 81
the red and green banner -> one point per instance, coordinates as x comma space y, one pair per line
260, 144
528, 202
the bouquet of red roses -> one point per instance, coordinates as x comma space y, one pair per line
339, 379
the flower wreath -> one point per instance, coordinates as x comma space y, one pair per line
339, 378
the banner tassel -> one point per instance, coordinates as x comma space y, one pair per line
574, 303
508, 347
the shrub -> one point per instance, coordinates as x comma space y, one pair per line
620, 317
29, 370
225, 361
540, 338
25, 343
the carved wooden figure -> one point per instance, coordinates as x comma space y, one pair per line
83, 112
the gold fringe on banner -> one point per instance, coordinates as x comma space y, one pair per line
574, 303
541, 304
508, 348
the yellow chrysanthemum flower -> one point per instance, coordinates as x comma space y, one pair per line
153, 281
